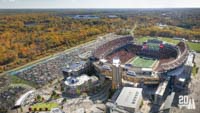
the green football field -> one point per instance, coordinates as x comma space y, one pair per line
193, 46
143, 62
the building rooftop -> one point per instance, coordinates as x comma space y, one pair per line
161, 88
189, 61
76, 81
56, 110
129, 97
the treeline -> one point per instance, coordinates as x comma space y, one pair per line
26, 37
168, 31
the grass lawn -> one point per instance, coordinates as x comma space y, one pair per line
17, 80
169, 40
194, 70
44, 106
192, 46
142, 62
143, 39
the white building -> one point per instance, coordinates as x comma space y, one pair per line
190, 60
77, 85
128, 101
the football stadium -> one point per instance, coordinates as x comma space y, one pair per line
147, 62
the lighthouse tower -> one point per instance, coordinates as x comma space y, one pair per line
117, 73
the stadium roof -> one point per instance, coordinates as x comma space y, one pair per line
129, 97
176, 72
23, 97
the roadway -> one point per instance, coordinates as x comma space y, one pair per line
133, 29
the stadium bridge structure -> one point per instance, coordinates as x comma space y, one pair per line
168, 57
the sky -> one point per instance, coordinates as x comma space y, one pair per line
13, 4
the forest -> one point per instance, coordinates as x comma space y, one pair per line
29, 35
26, 37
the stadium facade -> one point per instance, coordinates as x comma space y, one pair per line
145, 63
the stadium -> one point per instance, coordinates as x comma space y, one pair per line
146, 62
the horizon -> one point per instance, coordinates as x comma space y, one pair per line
94, 4
94, 8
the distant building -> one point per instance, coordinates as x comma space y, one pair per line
112, 16
128, 101
178, 38
195, 41
161, 25
85, 17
